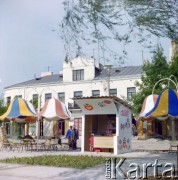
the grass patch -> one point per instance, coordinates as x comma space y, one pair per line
59, 161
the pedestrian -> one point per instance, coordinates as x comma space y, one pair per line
68, 136
74, 137
91, 142
133, 130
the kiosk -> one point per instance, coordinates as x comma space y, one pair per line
109, 119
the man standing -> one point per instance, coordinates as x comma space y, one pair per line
68, 136
74, 137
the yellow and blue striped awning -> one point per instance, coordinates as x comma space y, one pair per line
166, 105
18, 108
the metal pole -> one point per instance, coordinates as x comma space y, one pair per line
176, 173
173, 130
108, 79
38, 120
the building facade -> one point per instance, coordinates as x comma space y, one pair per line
79, 78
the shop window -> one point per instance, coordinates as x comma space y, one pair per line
130, 92
61, 96
7, 125
32, 129
21, 129
95, 93
78, 74
78, 125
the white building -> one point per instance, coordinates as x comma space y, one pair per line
79, 78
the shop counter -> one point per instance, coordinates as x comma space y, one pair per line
103, 142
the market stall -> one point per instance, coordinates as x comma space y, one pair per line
109, 119
166, 109
20, 113
144, 124
54, 112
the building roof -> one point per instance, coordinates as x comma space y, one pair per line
115, 98
57, 78
121, 71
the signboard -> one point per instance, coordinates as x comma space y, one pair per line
97, 106
125, 125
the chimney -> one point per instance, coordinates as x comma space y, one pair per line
49, 73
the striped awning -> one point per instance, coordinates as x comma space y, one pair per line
54, 109
166, 106
19, 108
148, 104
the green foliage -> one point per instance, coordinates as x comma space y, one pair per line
35, 102
3, 108
100, 21
92, 22
157, 17
59, 161
154, 71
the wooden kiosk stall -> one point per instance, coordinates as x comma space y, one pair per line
109, 119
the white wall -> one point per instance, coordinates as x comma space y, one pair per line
85, 86
79, 63
68, 86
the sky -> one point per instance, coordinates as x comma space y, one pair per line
30, 41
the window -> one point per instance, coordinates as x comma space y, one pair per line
19, 96
130, 92
113, 92
61, 96
8, 100
78, 74
35, 98
61, 128
95, 93
77, 93
48, 96
7, 125
78, 125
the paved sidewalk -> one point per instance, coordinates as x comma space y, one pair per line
150, 145
19, 172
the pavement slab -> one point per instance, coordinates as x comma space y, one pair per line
143, 152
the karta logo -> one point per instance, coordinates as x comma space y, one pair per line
138, 171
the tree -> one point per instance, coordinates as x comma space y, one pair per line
35, 102
99, 21
91, 22
157, 69
173, 71
158, 17
3, 108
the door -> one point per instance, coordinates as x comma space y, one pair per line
78, 125
88, 131
61, 128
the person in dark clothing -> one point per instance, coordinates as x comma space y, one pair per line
74, 137
68, 136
